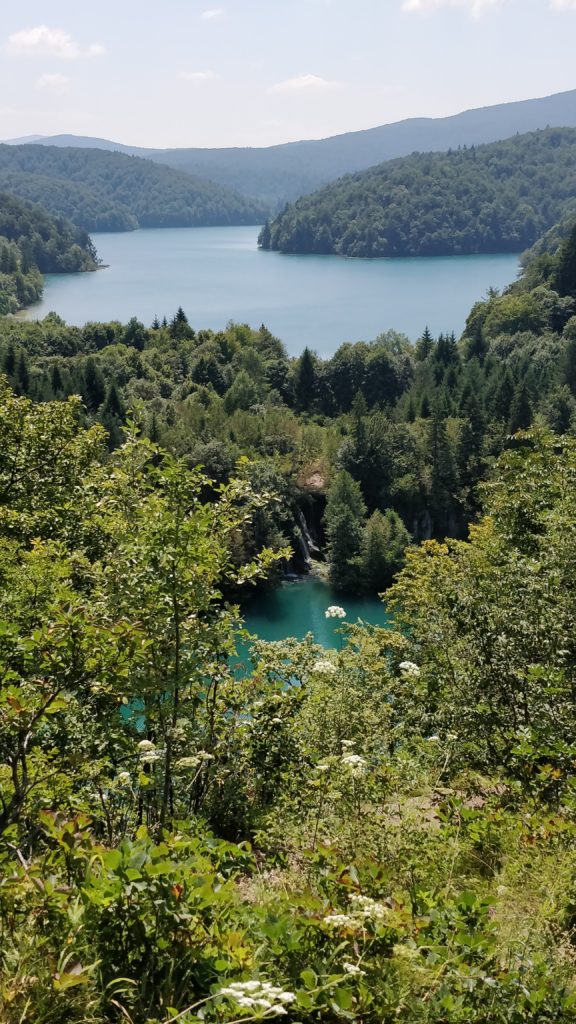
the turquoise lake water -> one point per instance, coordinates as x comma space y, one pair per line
219, 274
298, 608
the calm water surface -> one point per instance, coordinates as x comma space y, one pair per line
219, 274
295, 609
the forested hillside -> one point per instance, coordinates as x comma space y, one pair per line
487, 199
382, 441
384, 831
100, 190
31, 244
276, 174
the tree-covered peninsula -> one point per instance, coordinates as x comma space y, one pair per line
32, 243
483, 199
103, 191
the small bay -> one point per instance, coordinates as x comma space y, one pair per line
299, 607
219, 274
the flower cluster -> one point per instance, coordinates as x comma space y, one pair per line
362, 910
409, 669
355, 764
335, 612
353, 969
124, 778
369, 910
324, 667
148, 752
195, 760
261, 998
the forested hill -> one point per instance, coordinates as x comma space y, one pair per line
486, 199
31, 244
100, 190
275, 174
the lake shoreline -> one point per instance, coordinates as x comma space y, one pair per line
218, 275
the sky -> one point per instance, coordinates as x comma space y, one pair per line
261, 72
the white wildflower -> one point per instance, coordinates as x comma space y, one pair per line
322, 767
347, 743
188, 762
275, 721
260, 997
324, 667
409, 669
150, 757
146, 745
353, 969
335, 612
340, 921
433, 739
368, 909
124, 778
451, 736
355, 764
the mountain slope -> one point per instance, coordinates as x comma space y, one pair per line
494, 198
102, 190
279, 173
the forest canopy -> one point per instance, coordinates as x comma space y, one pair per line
33, 243
99, 190
493, 198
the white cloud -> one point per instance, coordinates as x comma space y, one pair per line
563, 5
304, 82
42, 41
199, 76
475, 7
58, 84
213, 14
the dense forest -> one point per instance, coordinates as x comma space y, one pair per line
382, 441
484, 199
103, 191
277, 174
380, 832
31, 244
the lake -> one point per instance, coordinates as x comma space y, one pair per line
299, 607
219, 274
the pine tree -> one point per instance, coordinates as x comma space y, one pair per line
424, 346
520, 410
344, 520
94, 386
305, 381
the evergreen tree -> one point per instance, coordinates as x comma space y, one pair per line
520, 410
94, 386
384, 540
566, 269
23, 375
424, 346
344, 520
305, 381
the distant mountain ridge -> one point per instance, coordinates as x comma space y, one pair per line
276, 174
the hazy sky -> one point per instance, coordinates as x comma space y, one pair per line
257, 72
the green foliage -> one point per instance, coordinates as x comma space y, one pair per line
100, 190
184, 840
344, 520
492, 198
31, 244
494, 616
